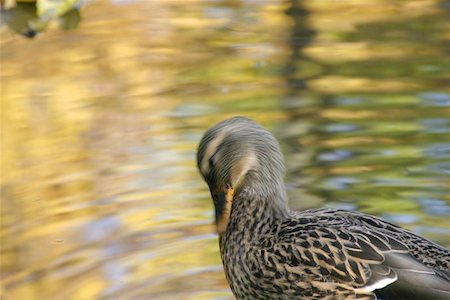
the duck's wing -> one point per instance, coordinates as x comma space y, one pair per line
363, 254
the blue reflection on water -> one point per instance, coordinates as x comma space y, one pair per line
336, 155
340, 127
438, 150
435, 99
436, 207
341, 182
437, 125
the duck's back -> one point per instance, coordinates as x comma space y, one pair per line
349, 254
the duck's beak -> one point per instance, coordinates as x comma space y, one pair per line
223, 204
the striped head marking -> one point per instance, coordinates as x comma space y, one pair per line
228, 152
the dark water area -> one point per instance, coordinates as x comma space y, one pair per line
101, 198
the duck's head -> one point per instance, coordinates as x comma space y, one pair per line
236, 154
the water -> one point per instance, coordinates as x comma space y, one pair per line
101, 198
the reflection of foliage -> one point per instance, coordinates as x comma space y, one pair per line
427, 28
31, 17
369, 130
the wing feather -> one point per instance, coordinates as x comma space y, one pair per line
352, 250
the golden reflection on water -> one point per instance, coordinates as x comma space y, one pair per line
100, 195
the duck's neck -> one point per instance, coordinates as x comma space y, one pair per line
256, 208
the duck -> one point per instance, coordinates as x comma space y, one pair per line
272, 252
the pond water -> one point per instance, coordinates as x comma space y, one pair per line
101, 198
